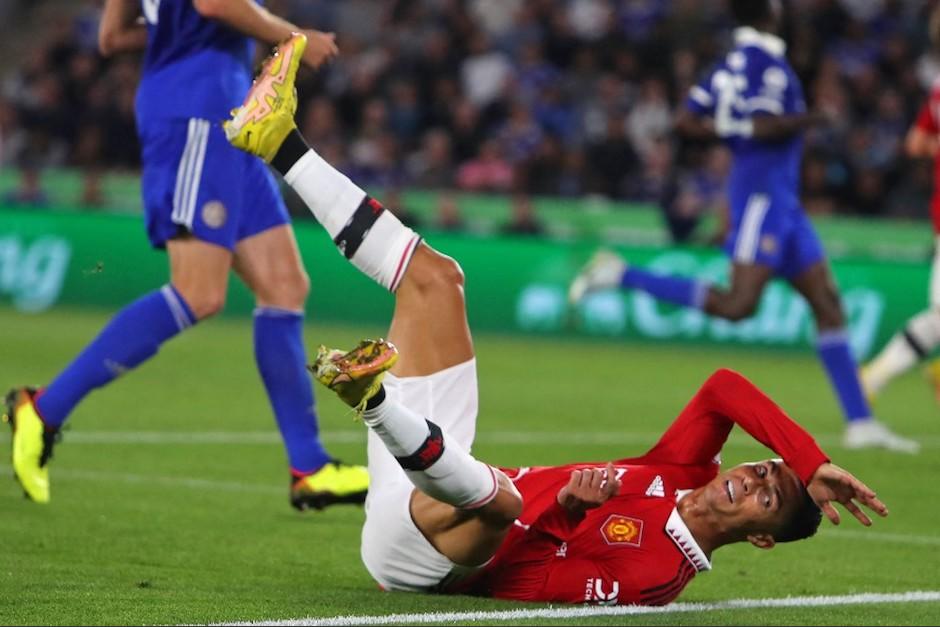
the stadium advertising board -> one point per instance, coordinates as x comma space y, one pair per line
513, 285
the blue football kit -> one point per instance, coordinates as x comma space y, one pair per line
196, 70
768, 224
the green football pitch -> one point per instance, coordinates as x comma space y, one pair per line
170, 488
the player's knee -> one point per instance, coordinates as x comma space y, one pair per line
285, 290
741, 308
430, 271
295, 287
503, 510
205, 303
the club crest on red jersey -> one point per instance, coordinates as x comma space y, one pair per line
620, 529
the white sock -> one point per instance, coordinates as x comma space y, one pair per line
379, 247
454, 477
919, 338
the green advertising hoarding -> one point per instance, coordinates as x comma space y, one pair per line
52, 259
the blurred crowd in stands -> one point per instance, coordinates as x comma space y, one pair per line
524, 97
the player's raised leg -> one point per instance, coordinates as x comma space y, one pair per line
607, 270
818, 288
462, 495
372, 239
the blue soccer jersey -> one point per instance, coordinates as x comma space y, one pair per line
194, 67
768, 224
196, 70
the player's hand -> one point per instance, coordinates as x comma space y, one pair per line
589, 488
831, 483
321, 47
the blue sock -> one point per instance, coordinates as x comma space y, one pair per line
133, 336
836, 356
678, 290
282, 361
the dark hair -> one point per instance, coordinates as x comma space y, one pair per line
803, 523
749, 12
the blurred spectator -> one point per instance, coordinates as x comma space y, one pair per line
651, 117
611, 160
490, 171
432, 167
29, 191
485, 72
819, 193
394, 202
696, 193
448, 214
12, 135
555, 97
522, 220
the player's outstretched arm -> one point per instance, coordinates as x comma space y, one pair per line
120, 30
780, 127
695, 127
256, 21
833, 484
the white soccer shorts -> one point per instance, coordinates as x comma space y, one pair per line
393, 550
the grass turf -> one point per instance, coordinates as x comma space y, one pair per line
200, 530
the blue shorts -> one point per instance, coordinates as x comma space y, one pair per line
771, 232
195, 182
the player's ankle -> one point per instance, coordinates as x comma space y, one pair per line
377, 399
292, 149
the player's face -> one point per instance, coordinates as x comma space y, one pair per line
755, 498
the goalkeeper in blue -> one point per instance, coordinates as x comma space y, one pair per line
753, 102
214, 209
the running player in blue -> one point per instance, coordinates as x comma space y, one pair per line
213, 209
753, 101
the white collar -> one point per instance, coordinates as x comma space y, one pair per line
680, 534
769, 43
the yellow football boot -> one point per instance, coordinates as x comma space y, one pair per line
335, 483
932, 373
266, 117
32, 444
355, 376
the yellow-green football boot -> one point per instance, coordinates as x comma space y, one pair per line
266, 117
334, 483
32, 443
356, 375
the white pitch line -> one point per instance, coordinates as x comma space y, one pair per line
355, 436
570, 613
210, 485
878, 536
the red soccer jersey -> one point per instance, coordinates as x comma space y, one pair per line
635, 549
928, 120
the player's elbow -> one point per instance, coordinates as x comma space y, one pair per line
723, 378
107, 41
212, 9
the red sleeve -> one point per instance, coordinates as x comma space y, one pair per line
726, 399
925, 119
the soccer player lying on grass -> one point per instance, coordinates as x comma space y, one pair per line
635, 530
